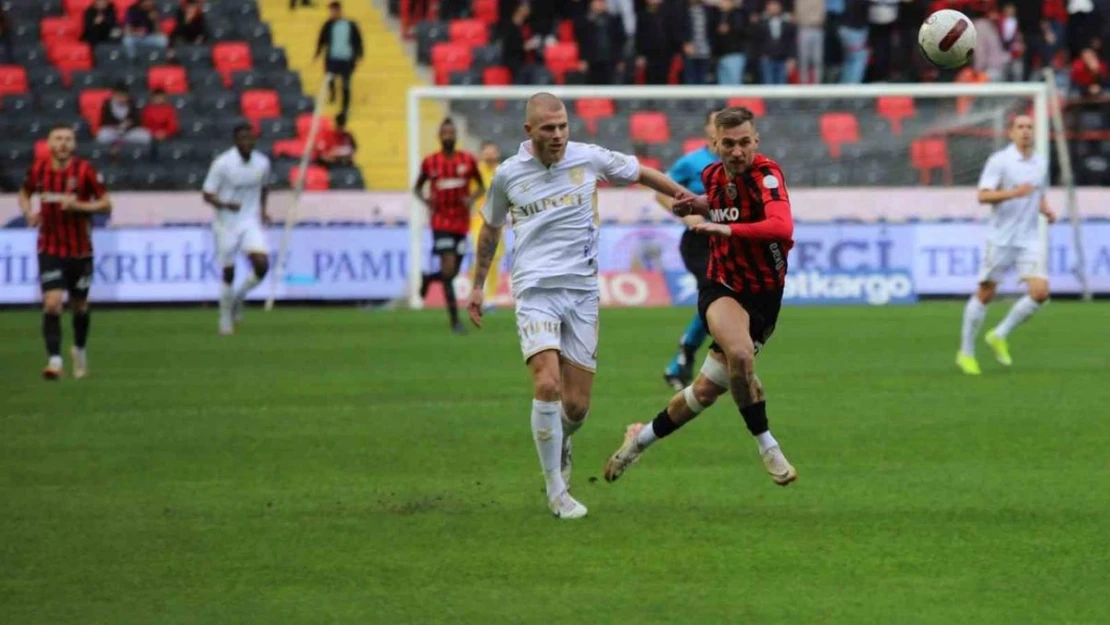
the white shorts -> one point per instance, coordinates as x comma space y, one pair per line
233, 238
560, 319
999, 259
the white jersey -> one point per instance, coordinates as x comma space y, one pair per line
554, 213
1015, 222
231, 179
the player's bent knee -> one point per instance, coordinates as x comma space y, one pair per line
703, 392
740, 357
575, 409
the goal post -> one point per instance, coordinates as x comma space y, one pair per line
971, 116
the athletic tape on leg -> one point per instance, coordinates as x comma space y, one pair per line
716, 371
691, 400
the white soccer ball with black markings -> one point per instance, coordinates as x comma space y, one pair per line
947, 39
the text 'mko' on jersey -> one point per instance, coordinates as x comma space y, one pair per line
450, 178
747, 264
62, 233
554, 212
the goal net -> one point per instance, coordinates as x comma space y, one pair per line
876, 156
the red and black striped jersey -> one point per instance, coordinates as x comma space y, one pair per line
450, 177
64, 233
749, 264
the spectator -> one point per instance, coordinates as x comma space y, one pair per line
1084, 25
1010, 36
695, 27
101, 23
777, 41
453, 9
731, 37
191, 28
160, 116
6, 53
304, 3
654, 49
1030, 19
1088, 74
119, 120
853, 34
1052, 28
342, 40
600, 41
809, 15
991, 56
338, 146
141, 28
882, 15
512, 35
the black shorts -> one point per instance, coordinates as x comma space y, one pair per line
448, 243
338, 67
71, 274
694, 249
762, 308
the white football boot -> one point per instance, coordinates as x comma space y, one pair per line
778, 467
626, 455
563, 506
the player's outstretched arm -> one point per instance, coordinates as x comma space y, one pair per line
660, 183
102, 204
30, 217
489, 237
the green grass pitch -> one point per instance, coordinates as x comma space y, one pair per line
338, 466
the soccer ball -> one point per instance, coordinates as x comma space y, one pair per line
947, 39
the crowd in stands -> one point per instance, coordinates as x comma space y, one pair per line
766, 41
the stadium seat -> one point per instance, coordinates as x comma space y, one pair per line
289, 148
692, 144
561, 58
70, 56
168, 78
193, 56
16, 104
565, 32
497, 75
304, 124
269, 58
755, 105
231, 56
276, 128
469, 33
59, 102
346, 178
42, 150
283, 82
593, 109
219, 102
895, 109
838, 129
76, 8
929, 153
447, 58
465, 78
55, 29
428, 34
486, 11
89, 103
649, 127
247, 80
13, 79
316, 178
650, 161
486, 56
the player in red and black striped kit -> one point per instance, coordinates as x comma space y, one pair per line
748, 216
70, 191
450, 173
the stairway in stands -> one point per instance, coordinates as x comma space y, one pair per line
378, 88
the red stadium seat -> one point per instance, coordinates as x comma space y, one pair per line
447, 58
692, 144
561, 58
259, 104
42, 150
838, 129
70, 56
485, 10
929, 153
497, 75
468, 32
316, 178
90, 102
13, 80
895, 109
168, 78
593, 109
649, 127
289, 148
60, 29
229, 57
304, 125
167, 26
650, 161
565, 32
755, 105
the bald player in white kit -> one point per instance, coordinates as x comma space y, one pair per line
549, 189
1013, 182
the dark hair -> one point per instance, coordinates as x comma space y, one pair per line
61, 126
447, 121
242, 127
335, 5
488, 142
341, 120
733, 116
120, 86
157, 91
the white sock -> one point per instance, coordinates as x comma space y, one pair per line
974, 313
226, 297
54, 361
1022, 309
248, 284
547, 431
765, 441
646, 436
570, 427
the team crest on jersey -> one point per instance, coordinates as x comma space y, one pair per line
461, 169
731, 190
71, 184
770, 182
577, 175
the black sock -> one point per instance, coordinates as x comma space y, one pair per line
52, 333
663, 426
80, 329
755, 417
426, 281
452, 305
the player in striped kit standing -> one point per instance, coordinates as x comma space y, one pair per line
450, 173
70, 191
751, 230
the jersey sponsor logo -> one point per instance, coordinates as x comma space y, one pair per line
447, 184
50, 276
874, 288
53, 197
532, 208
724, 214
461, 169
